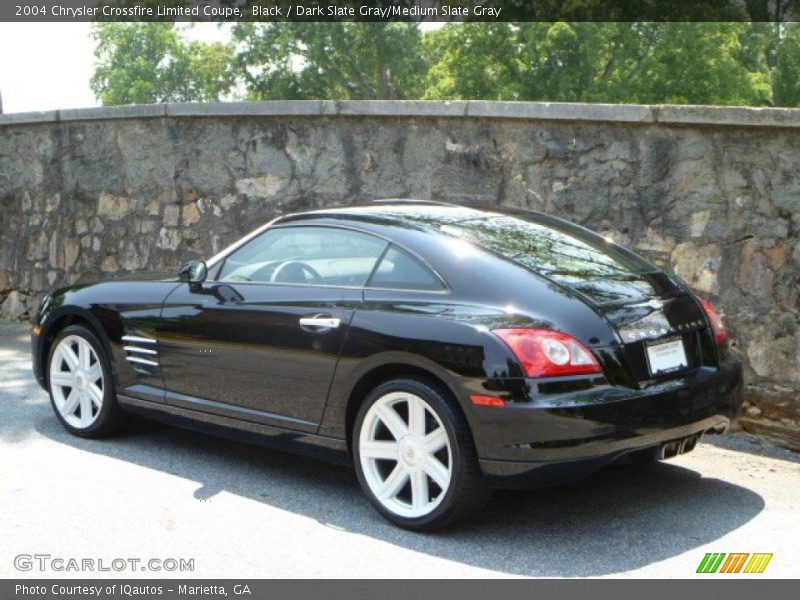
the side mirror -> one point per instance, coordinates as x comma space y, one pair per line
195, 271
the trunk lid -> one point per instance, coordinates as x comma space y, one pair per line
646, 310
641, 303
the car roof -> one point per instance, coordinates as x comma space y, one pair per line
426, 215
411, 223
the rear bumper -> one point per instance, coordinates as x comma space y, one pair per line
513, 474
558, 438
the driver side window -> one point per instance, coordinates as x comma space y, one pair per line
305, 256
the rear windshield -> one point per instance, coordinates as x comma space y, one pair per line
554, 249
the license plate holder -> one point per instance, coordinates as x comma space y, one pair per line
666, 356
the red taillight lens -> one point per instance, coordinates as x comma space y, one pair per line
544, 353
479, 400
720, 333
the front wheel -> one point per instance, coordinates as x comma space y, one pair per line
81, 385
415, 458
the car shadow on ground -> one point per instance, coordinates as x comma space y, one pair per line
621, 519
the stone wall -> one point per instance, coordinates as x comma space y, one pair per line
712, 192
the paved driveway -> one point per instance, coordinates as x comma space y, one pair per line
242, 511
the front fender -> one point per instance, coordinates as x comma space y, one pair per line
50, 322
110, 308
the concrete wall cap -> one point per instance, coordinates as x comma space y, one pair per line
561, 111
531, 111
134, 111
402, 108
741, 116
274, 108
27, 118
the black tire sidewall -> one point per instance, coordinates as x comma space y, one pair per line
438, 402
109, 411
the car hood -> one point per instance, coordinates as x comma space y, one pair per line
147, 287
162, 275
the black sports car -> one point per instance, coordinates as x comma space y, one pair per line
444, 349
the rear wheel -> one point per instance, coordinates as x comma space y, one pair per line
415, 457
81, 386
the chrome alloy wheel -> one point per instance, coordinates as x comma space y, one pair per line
405, 454
76, 381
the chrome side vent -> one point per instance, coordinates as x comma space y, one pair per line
142, 353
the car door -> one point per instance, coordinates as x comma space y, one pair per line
261, 342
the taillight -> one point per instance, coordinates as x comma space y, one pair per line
544, 353
479, 400
720, 333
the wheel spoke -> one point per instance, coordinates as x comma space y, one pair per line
379, 450
94, 373
62, 379
436, 471
71, 403
95, 394
394, 423
416, 416
420, 496
435, 440
84, 355
69, 356
86, 409
394, 482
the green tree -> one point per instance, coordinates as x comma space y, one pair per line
331, 60
702, 63
569, 62
696, 63
786, 75
141, 63
475, 61
649, 62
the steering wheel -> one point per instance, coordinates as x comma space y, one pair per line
291, 269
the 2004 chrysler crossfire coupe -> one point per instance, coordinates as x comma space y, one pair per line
445, 350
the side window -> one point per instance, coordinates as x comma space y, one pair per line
306, 256
399, 270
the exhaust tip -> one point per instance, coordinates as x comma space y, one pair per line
689, 444
681, 446
670, 450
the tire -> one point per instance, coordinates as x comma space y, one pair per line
418, 469
81, 384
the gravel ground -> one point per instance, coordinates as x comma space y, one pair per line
242, 511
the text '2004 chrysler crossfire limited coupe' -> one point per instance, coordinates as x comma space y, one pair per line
446, 350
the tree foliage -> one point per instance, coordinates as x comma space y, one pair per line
700, 63
475, 61
364, 61
786, 84
697, 63
140, 63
